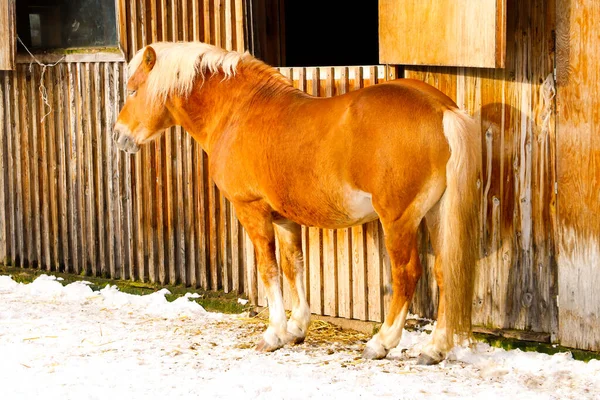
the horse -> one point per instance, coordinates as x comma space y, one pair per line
400, 151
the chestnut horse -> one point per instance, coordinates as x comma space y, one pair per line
399, 151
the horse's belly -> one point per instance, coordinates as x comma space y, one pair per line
348, 208
359, 206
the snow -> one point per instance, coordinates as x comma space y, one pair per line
69, 342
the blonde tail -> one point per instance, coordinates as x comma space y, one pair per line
459, 221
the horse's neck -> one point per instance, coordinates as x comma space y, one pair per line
218, 106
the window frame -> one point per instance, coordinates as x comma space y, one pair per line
116, 53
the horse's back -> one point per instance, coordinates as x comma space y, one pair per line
384, 140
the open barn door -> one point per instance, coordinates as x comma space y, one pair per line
470, 33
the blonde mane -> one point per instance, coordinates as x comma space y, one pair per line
179, 63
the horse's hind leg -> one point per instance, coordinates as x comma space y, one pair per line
289, 235
401, 243
436, 350
259, 225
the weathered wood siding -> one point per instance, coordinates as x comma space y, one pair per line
69, 201
578, 170
7, 30
72, 202
442, 32
516, 284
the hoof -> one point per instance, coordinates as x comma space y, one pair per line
265, 347
426, 359
295, 334
374, 352
297, 340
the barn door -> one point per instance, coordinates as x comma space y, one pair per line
7, 35
469, 33
578, 170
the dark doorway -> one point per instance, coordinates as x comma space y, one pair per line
315, 32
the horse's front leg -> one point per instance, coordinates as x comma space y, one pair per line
259, 225
289, 235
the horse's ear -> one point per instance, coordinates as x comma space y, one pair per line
149, 58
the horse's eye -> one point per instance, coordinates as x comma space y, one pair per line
131, 93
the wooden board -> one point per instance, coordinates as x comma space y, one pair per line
8, 36
578, 170
516, 272
442, 32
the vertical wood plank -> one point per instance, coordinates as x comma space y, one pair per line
224, 244
170, 214
161, 255
330, 278
4, 115
213, 235
89, 141
240, 44
112, 225
236, 273
189, 215
51, 155
11, 167
359, 273
150, 226
44, 168
251, 270
578, 173
35, 167
180, 209
23, 179
80, 125
99, 175
201, 211
344, 272
62, 145
374, 279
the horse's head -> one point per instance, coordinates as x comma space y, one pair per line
141, 118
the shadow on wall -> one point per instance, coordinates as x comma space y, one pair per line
516, 272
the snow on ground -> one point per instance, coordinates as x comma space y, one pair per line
72, 343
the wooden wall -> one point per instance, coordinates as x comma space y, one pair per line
70, 201
516, 284
578, 170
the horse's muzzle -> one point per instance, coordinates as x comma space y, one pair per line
124, 141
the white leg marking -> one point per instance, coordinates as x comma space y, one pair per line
298, 323
276, 334
436, 348
387, 338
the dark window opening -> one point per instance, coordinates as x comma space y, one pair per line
56, 24
291, 33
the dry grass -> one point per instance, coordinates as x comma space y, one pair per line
320, 333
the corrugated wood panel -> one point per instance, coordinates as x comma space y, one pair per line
442, 32
71, 201
8, 34
516, 284
578, 165
154, 215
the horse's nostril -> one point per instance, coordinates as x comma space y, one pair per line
115, 135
